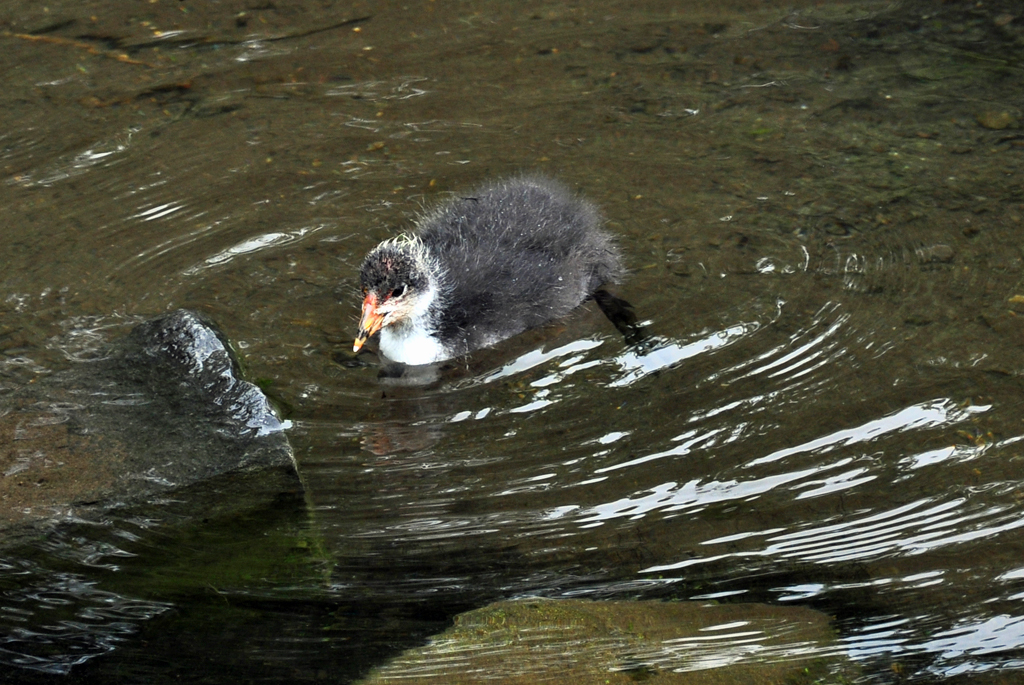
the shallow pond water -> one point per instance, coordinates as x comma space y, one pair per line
822, 216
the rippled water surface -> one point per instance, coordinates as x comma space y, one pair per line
821, 210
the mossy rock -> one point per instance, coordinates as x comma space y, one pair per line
578, 641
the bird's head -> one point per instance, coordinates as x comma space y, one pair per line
398, 282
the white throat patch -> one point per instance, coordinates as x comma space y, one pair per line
412, 341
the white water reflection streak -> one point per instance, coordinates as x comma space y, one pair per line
696, 494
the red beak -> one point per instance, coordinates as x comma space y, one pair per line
370, 323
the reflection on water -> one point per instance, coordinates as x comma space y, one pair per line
636, 364
61, 620
106, 153
250, 245
824, 243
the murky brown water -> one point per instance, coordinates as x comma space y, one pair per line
821, 210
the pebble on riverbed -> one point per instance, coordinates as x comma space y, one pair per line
997, 121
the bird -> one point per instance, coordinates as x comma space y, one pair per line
511, 255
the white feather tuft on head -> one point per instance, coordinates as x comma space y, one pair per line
413, 245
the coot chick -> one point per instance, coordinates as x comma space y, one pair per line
512, 255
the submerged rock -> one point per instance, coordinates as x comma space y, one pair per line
165, 407
578, 641
997, 121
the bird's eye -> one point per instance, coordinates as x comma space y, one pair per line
399, 291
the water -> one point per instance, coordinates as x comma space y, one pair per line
821, 215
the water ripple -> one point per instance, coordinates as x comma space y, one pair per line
103, 153
253, 244
73, 620
931, 414
915, 528
659, 354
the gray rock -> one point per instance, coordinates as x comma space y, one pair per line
165, 408
185, 359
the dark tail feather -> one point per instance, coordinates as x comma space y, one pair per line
622, 316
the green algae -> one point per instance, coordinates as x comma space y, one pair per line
578, 641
